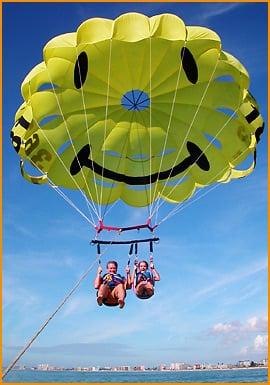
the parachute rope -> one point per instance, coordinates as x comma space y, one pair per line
66, 198
71, 203
150, 117
86, 126
182, 205
168, 128
106, 210
71, 141
61, 304
148, 199
106, 118
43, 326
187, 133
217, 174
50, 182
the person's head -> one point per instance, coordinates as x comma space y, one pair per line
143, 266
112, 267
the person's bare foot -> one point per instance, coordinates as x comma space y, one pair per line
99, 300
121, 303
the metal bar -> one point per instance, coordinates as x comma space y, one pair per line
95, 241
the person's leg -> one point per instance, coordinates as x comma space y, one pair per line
119, 292
103, 293
144, 289
140, 288
149, 289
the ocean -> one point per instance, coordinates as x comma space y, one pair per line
236, 375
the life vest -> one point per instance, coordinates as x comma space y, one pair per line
145, 276
112, 280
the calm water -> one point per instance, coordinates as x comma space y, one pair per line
248, 375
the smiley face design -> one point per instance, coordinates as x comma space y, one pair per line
137, 108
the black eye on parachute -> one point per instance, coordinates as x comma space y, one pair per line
189, 65
80, 70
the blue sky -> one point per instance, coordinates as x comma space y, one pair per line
211, 302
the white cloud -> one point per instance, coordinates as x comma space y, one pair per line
258, 346
244, 333
208, 11
224, 328
261, 343
253, 324
256, 324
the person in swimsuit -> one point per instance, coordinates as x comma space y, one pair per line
144, 279
112, 286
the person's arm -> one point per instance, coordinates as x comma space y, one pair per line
132, 280
98, 280
128, 278
156, 275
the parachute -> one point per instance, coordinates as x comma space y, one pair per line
137, 109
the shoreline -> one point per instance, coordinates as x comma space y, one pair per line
140, 371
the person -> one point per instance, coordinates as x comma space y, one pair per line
112, 286
144, 279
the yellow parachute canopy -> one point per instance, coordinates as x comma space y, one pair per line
135, 109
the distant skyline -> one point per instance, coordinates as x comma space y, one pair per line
212, 257
164, 365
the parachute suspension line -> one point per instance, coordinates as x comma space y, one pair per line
68, 200
150, 119
68, 133
58, 190
89, 208
148, 199
72, 145
182, 205
106, 118
158, 205
86, 121
208, 145
52, 184
106, 211
69, 294
168, 129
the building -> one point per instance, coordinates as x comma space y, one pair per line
178, 366
244, 364
124, 368
139, 368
